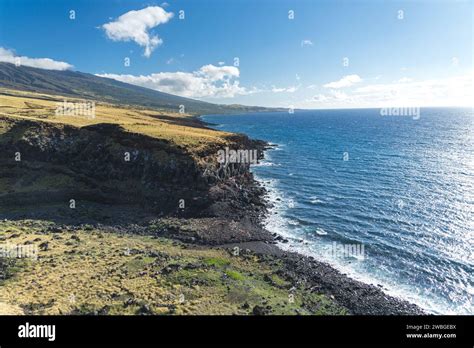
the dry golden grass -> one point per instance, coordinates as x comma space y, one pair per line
41, 107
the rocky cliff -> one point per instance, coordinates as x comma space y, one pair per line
47, 163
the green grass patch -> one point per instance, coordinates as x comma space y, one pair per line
217, 261
278, 281
235, 275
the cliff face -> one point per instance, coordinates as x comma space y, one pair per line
100, 162
49, 163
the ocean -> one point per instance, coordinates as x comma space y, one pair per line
398, 190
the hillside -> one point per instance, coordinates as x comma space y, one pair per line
82, 85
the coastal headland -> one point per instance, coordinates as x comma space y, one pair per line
132, 212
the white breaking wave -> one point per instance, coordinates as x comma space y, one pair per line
321, 232
275, 222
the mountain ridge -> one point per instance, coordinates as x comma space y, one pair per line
84, 85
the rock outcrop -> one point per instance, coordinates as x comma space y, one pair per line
105, 164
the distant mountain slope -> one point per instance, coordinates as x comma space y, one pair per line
83, 85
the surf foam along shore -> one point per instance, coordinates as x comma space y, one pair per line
358, 297
332, 253
374, 187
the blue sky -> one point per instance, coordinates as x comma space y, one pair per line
418, 57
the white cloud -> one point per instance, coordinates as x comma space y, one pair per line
452, 91
404, 80
346, 81
9, 56
306, 43
331, 97
209, 82
319, 98
290, 89
338, 95
457, 90
216, 73
135, 26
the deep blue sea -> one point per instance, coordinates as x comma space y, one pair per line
403, 187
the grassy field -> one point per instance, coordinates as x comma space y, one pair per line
160, 124
88, 271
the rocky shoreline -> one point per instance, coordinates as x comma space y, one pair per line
359, 298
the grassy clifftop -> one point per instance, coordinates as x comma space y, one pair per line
162, 124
